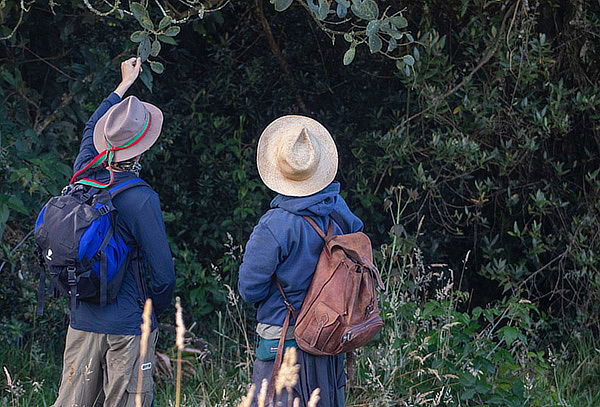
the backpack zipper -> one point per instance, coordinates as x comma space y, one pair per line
348, 335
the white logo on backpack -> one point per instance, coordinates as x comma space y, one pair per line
49, 254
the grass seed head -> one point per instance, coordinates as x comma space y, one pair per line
288, 373
146, 327
314, 398
180, 330
262, 396
247, 400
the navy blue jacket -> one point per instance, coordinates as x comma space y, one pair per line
139, 223
286, 245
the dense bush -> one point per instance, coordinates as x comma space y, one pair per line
485, 116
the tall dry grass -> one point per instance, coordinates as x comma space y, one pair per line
146, 327
179, 339
286, 379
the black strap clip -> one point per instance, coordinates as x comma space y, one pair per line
71, 278
103, 210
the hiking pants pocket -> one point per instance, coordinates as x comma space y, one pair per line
141, 383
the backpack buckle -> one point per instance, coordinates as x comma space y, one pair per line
71, 279
103, 210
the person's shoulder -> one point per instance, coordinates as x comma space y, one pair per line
281, 223
275, 217
138, 196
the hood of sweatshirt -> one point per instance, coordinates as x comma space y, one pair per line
321, 204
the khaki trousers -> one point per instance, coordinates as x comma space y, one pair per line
103, 370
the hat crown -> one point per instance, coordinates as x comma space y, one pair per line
125, 121
298, 155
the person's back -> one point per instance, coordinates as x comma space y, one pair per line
140, 225
297, 158
298, 248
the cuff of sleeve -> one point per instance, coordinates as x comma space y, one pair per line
113, 98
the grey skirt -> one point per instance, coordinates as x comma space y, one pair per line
324, 372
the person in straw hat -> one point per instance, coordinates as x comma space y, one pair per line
101, 358
298, 159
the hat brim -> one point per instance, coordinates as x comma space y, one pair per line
156, 121
266, 157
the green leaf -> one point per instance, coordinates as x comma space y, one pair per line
167, 40
408, 60
395, 34
509, 334
4, 212
373, 27
320, 11
155, 50
416, 53
399, 21
172, 31
323, 9
392, 45
139, 11
15, 203
348, 37
138, 36
164, 23
8, 77
349, 55
375, 43
147, 23
147, 78
282, 5
366, 9
157, 67
144, 49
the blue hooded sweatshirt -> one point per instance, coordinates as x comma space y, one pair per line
139, 223
286, 245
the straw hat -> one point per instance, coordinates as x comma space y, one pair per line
296, 156
125, 121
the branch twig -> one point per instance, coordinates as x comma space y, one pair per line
277, 51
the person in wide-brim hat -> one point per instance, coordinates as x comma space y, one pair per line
127, 129
102, 361
298, 159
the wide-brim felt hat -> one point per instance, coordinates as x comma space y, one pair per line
296, 156
124, 122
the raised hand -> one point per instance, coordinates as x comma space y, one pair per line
130, 70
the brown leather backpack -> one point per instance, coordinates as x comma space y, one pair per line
340, 311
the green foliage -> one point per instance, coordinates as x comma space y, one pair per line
432, 353
369, 27
487, 120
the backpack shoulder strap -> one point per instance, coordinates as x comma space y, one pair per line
125, 185
291, 311
318, 229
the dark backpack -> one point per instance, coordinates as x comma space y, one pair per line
340, 311
75, 235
